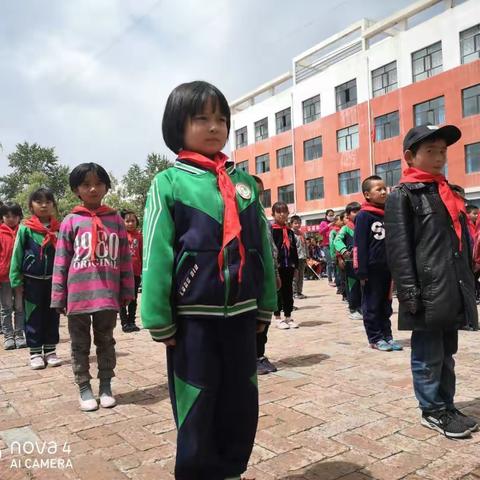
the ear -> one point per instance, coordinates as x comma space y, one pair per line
408, 156
366, 194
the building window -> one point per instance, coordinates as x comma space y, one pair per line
283, 120
390, 172
266, 198
261, 129
384, 79
472, 157
314, 189
285, 194
471, 100
241, 137
284, 157
349, 182
312, 149
346, 94
427, 62
387, 126
470, 44
262, 163
431, 112
311, 109
347, 138
242, 166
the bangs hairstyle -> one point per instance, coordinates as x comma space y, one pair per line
11, 208
41, 194
328, 211
78, 174
367, 183
124, 213
279, 207
186, 101
295, 218
471, 207
352, 207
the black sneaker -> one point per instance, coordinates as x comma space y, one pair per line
262, 369
447, 423
126, 328
470, 422
269, 366
133, 328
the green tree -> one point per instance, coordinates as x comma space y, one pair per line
117, 199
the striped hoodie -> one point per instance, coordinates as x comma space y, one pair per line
83, 285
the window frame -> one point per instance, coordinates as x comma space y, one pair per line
290, 154
383, 126
342, 180
287, 124
344, 88
308, 148
315, 100
308, 189
241, 166
267, 163
437, 120
469, 161
475, 54
280, 193
390, 173
348, 136
261, 129
477, 101
426, 59
384, 73
244, 132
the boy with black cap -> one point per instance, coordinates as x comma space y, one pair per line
430, 259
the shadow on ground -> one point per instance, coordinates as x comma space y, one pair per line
312, 323
145, 396
305, 360
328, 470
404, 342
92, 358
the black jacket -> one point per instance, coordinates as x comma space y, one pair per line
286, 258
426, 262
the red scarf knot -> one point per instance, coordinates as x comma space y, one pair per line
231, 219
96, 222
368, 207
286, 238
50, 233
452, 201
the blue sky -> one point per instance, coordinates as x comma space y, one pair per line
91, 77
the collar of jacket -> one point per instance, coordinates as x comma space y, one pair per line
197, 170
419, 185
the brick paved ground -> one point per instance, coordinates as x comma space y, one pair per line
335, 409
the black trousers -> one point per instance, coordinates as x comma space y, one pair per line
212, 375
377, 306
41, 321
285, 294
354, 291
262, 339
128, 313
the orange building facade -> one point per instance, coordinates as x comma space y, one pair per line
333, 178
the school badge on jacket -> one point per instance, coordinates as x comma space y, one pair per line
244, 191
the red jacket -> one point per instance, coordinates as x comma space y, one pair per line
7, 241
135, 241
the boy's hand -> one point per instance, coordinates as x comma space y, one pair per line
347, 254
61, 311
260, 327
278, 281
169, 342
19, 290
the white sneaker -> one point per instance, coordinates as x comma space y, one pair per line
356, 316
107, 401
283, 325
88, 405
37, 362
52, 360
291, 323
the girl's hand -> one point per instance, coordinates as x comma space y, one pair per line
278, 281
19, 290
260, 327
169, 342
61, 311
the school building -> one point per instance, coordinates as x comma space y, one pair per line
340, 113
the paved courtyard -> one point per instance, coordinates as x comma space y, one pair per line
335, 409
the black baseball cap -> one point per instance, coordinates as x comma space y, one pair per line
450, 133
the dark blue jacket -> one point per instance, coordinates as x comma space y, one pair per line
369, 243
286, 258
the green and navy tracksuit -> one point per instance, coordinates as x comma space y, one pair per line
344, 243
212, 367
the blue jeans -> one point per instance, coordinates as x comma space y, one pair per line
433, 368
330, 263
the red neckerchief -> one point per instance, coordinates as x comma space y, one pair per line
452, 201
36, 225
350, 224
336, 228
368, 207
286, 238
96, 222
231, 219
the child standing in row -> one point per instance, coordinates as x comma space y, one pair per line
287, 261
344, 247
92, 278
208, 285
31, 275
135, 242
370, 264
11, 214
301, 244
339, 272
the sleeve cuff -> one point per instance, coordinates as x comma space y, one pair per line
264, 316
160, 334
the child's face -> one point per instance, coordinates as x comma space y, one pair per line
431, 157
206, 133
377, 193
473, 215
130, 222
351, 216
281, 216
42, 208
296, 224
91, 191
11, 220
338, 222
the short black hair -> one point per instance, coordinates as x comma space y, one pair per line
296, 218
40, 194
12, 208
78, 174
367, 183
124, 213
258, 180
279, 206
352, 207
342, 216
329, 210
186, 101
470, 207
